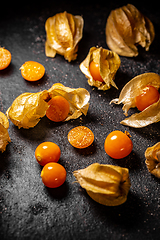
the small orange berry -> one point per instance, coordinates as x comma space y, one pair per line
80, 137
47, 152
5, 58
32, 71
53, 175
58, 109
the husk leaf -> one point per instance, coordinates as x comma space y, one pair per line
4, 135
106, 184
126, 28
127, 96
108, 61
152, 155
64, 31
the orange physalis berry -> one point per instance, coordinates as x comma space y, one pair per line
32, 71
58, 109
47, 152
148, 96
80, 137
118, 144
53, 175
95, 72
5, 58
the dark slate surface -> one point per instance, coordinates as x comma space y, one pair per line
28, 210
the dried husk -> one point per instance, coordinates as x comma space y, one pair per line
64, 31
78, 99
108, 61
126, 28
4, 135
127, 96
152, 155
28, 108
106, 184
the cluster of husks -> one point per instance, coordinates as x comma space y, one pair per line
126, 28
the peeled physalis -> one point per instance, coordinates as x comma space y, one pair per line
100, 67
126, 28
106, 184
64, 31
4, 136
128, 96
152, 155
28, 108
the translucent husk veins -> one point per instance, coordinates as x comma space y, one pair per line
64, 31
106, 184
127, 97
126, 28
152, 155
108, 61
4, 135
28, 108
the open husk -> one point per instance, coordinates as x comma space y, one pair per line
127, 96
108, 61
4, 135
28, 108
78, 99
64, 31
126, 28
106, 184
152, 155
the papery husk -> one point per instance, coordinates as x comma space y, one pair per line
108, 61
64, 31
106, 184
127, 96
152, 155
78, 99
28, 108
126, 28
4, 135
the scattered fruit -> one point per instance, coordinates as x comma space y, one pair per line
53, 175
80, 137
118, 144
47, 152
5, 58
32, 71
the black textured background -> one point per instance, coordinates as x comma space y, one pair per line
29, 210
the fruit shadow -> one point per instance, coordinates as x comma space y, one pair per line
90, 150
59, 192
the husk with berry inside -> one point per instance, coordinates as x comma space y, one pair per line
108, 61
28, 108
127, 97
